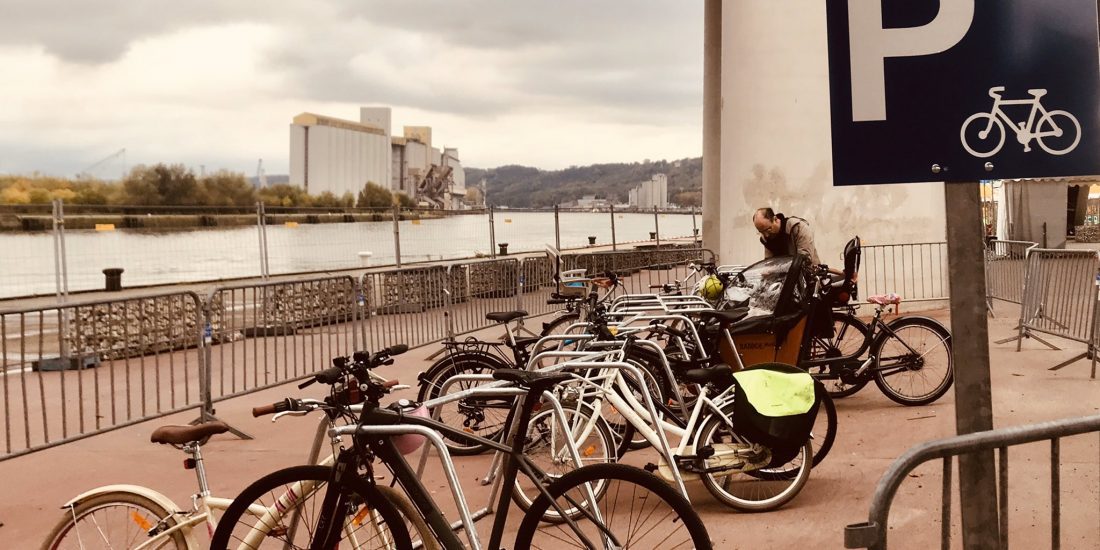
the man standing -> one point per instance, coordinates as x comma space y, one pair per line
783, 236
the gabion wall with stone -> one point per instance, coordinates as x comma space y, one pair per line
1087, 234
301, 304
134, 327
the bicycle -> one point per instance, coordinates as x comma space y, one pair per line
383, 434
738, 472
132, 516
991, 126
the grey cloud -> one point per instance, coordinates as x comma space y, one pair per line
100, 32
641, 55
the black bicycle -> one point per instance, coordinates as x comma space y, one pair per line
598, 506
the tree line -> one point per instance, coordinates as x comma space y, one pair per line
177, 185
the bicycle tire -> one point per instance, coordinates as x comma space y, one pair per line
685, 516
559, 324
274, 487
417, 527
599, 437
828, 435
758, 484
430, 389
849, 334
942, 338
58, 536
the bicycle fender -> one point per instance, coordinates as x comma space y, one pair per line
158, 498
893, 323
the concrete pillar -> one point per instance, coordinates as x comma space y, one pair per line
775, 141
712, 123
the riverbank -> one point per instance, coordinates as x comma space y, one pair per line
33, 222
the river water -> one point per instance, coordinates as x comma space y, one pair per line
27, 260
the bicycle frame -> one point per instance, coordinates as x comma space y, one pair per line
380, 422
1025, 131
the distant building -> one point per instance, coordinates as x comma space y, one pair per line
588, 202
330, 154
650, 194
335, 155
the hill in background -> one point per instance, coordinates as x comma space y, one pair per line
522, 186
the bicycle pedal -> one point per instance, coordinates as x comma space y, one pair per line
650, 467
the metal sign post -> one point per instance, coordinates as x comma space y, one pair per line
970, 358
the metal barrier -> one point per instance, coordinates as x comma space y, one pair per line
873, 533
1059, 298
262, 335
1005, 269
408, 305
86, 367
488, 286
916, 271
643, 267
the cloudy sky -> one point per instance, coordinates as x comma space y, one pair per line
216, 83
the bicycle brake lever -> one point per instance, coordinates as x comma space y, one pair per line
284, 413
400, 387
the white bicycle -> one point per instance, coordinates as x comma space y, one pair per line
983, 134
740, 474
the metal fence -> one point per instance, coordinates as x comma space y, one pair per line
1059, 297
873, 533
1005, 269
75, 369
85, 367
235, 243
916, 271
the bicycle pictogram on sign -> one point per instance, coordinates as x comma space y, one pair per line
983, 134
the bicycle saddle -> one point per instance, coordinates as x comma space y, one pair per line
727, 316
534, 380
885, 299
505, 316
716, 374
179, 435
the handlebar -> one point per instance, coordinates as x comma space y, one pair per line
287, 404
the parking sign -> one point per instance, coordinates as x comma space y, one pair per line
963, 90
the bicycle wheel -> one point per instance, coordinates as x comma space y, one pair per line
418, 529
982, 135
480, 416
282, 510
849, 333
546, 446
1062, 132
559, 324
113, 520
638, 510
744, 478
913, 366
824, 431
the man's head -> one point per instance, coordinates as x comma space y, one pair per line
766, 222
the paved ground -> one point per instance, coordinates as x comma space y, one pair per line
873, 431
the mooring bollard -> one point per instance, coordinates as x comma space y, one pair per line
591, 240
364, 258
503, 249
114, 278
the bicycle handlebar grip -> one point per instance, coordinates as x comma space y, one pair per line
397, 350
556, 301
390, 383
656, 286
277, 407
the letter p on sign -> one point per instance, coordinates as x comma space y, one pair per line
871, 45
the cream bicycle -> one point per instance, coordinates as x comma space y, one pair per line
135, 517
